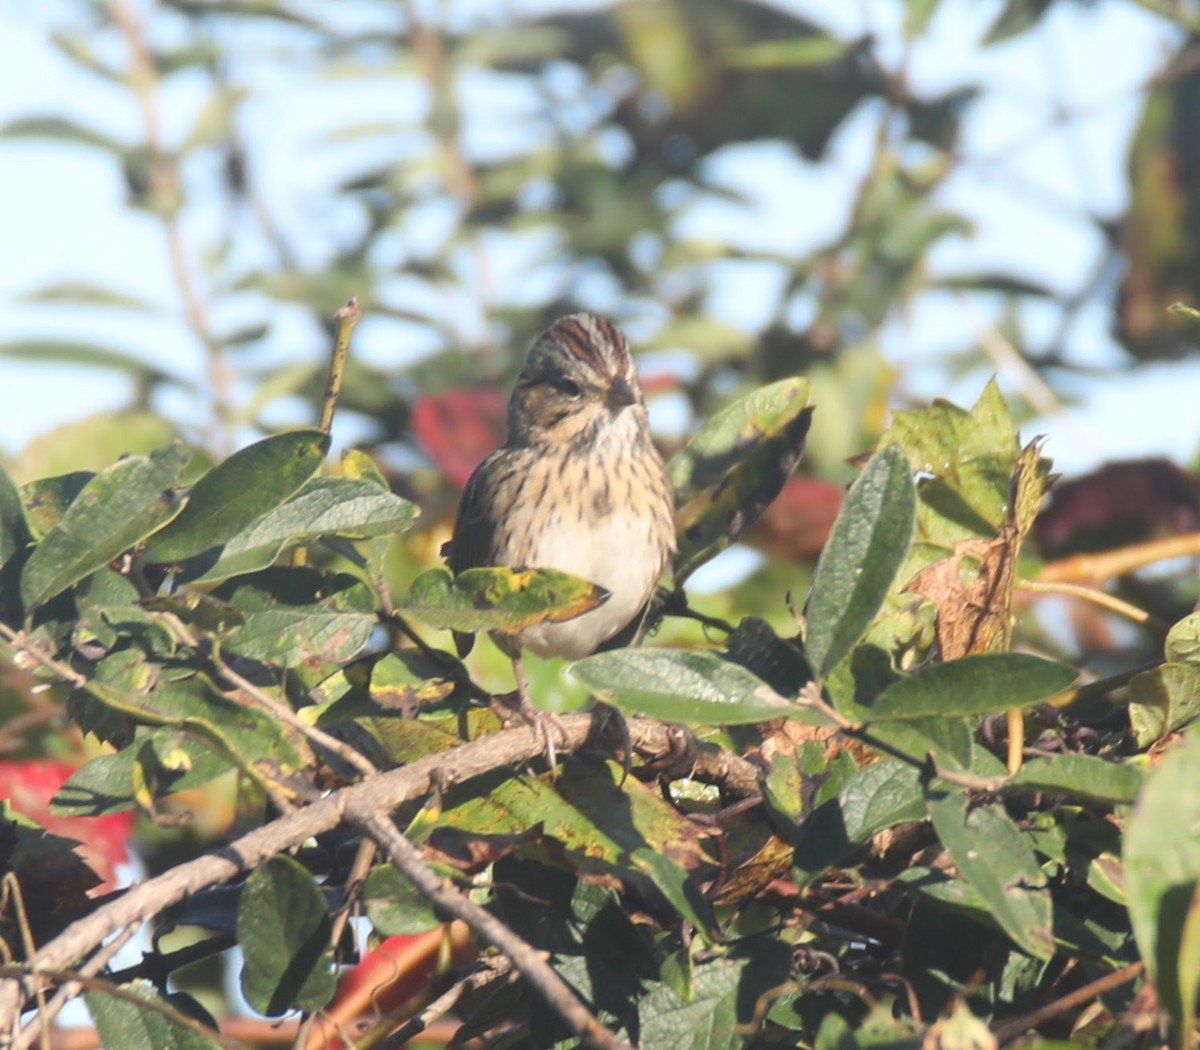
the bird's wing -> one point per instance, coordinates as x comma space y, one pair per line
474, 530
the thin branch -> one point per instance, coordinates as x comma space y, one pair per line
1108, 565
280, 710
1011, 1029
347, 317
71, 985
23, 644
444, 1003
1097, 597
530, 962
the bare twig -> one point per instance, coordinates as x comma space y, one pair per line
444, 1003
280, 710
1011, 1029
1108, 565
71, 985
1097, 597
347, 317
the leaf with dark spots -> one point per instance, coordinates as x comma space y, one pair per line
718, 519
499, 599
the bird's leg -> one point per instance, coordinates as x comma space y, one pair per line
541, 721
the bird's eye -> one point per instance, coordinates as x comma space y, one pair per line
566, 386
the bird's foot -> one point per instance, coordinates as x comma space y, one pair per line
546, 724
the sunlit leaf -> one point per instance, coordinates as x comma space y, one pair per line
498, 599
324, 507
695, 687
866, 547
1161, 858
239, 491
973, 685
115, 510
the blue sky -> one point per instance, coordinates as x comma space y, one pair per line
63, 215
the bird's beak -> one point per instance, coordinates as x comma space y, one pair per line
621, 393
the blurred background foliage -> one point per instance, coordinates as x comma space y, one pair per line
750, 189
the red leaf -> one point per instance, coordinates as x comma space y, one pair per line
30, 785
459, 427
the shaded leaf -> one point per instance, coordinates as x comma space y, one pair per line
152, 1025
14, 529
997, 861
1016, 17
46, 501
498, 599
974, 685
171, 761
731, 434
694, 687
114, 511
866, 547
1082, 776
239, 491
1161, 856
394, 905
284, 926
761, 467
87, 355
291, 615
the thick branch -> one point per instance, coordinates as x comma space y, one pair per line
381, 794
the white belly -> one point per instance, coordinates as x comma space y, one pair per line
620, 556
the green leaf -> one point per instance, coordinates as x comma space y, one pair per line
114, 511
866, 547
170, 761
757, 464
1183, 641
972, 685
295, 614
88, 293
324, 507
599, 826
1017, 17
1161, 858
695, 687
62, 129
394, 905
239, 491
811, 50
14, 529
245, 736
1082, 776
1162, 700
498, 599
998, 862
729, 435
965, 459
708, 1020
152, 1024
47, 499
283, 927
